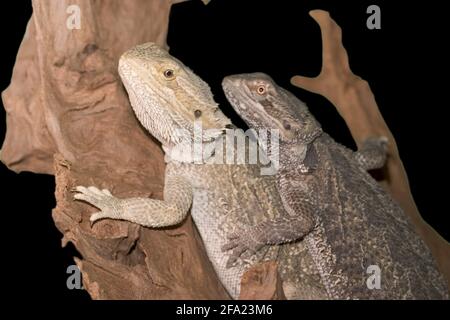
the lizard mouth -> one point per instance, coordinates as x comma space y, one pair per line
235, 102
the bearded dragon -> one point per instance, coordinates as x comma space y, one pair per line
170, 100
351, 226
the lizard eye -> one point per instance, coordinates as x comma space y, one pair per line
169, 74
197, 113
261, 90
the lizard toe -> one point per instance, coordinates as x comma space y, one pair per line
229, 246
96, 191
107, 192
231, 262
233, 235
98, 216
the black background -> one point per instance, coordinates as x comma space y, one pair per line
405, 63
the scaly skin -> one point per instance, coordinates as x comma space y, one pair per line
224, 198
347, 220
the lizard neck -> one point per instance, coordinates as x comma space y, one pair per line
299, 155
189, 152
308, 137
292, 154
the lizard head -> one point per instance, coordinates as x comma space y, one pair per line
264, 105
167, 97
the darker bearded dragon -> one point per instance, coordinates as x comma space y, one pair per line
350, 224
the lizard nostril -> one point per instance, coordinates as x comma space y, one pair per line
287, 126
197, 113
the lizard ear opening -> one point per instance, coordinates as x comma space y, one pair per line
197, 114
310, 162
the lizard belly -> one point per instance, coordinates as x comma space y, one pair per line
215, 211
204, 209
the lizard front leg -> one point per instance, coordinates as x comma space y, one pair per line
172, 210
373, 153
284, 229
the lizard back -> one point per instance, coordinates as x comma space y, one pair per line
360, 226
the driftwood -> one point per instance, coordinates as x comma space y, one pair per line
262, 282
68, 115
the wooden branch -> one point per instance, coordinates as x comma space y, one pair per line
262, 282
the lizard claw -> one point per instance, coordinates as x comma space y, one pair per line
237, 252
239, 242
99, 215
230, 245
102, 199
384, 142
